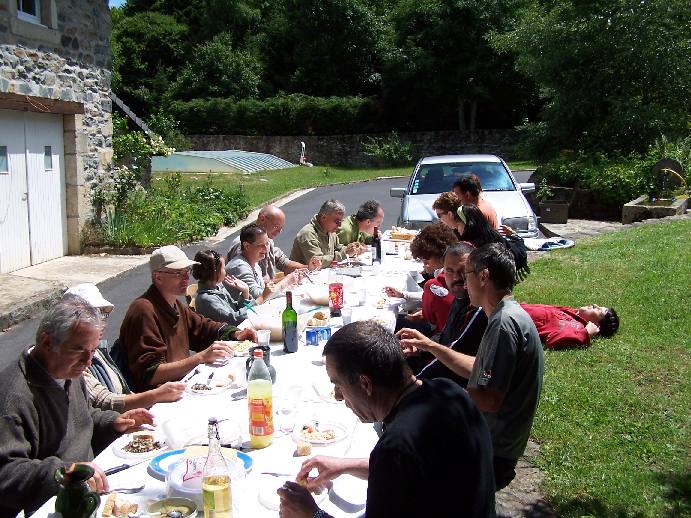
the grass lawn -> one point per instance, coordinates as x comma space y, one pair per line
268, 185
613, 423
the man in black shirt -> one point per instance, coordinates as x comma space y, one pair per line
434, 456
452, 356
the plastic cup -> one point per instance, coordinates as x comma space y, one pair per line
264, 336
347, 315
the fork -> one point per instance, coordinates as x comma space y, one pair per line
191, 375
127, 490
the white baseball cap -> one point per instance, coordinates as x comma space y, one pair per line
169, 256
91, 294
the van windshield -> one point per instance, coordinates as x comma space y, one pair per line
438, 178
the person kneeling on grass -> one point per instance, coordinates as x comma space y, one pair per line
409, 472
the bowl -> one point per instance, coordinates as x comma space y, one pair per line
186, 507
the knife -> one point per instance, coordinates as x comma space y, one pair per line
122, 467
208, 381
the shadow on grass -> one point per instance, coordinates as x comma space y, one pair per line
678, 492
677, 495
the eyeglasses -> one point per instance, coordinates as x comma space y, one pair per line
177, 273
105, 314
338, 221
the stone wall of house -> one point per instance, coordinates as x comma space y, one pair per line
347, 150
62, 65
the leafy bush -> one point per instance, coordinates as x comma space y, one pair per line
294, 114
616, 179
171, 212
390, 150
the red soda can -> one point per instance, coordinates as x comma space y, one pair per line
335, 298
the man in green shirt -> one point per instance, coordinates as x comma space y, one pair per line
319, 237
359, 227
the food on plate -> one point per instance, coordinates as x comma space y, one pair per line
243, 347
304, 449
318, 319
142, 443
117, 506
222, 382
401, 233
199, 387
312, 433
231, 376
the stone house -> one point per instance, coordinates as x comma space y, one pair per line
55, 124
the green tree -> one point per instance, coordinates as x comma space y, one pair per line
613, 74
322, 47
148, 50
215, 69
440, 69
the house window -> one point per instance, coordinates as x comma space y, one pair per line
47, 158
29, 10
4, 166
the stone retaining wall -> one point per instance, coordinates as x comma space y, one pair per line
62, 66
347, 151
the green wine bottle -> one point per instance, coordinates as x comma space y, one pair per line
289, 320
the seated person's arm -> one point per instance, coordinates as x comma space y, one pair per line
244, 273
310, 247
169, 391
100, 396
459, 363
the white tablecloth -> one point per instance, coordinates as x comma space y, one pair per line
303, 369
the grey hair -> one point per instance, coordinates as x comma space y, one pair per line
63, 317
368, 210
330, 206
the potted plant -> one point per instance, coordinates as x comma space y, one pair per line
554, 202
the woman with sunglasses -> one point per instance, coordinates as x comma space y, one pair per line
220, 297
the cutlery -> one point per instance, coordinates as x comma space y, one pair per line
208, 381
127, 490
249, 306
308, 277
122, 467
272, 474
191, 375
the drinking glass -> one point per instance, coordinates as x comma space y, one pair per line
264, 336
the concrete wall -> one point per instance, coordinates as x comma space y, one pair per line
62, 66
347, 151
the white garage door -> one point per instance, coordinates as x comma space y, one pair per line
32, 189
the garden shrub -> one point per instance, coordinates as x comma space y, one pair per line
170, 212
294, 114
617, 179
389, 150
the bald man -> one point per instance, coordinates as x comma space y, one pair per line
271, 219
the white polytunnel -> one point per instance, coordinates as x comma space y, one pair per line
229, 161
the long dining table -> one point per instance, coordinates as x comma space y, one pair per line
302, 395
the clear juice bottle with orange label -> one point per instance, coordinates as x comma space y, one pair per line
260, 405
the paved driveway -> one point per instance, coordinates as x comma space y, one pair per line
124, 289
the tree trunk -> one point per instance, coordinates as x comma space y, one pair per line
461, 112
473, 114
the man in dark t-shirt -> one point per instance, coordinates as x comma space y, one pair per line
434, 456
451, 357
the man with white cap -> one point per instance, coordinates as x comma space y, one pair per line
159, 331
105, 385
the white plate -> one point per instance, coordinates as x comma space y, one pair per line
339, 430
350, 489
270, 499
214, 389
122, 441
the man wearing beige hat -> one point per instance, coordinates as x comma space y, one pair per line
159, 331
